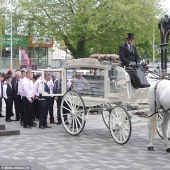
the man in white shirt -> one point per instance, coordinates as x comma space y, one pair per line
1, 92
17, 97
44, 102
51, 101
37, 83
27, 99
21, 93
8, 97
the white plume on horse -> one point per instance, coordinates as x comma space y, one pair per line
162, 96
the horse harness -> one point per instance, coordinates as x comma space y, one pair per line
156, 109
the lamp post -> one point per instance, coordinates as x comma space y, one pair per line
153, 48
1, 47
66, 53
11, 34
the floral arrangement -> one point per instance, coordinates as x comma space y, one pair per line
84, 60
105, 56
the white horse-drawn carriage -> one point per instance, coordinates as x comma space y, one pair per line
98, 86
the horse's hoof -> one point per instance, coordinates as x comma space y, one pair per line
168, 150
151, 148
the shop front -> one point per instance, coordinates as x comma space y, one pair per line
38, 51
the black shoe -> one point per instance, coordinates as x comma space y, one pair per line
53, 122
21, 122
67, 123
47, 126
29, 127
8, 120
58, 123
12, 114
33, 123
1, 115
41, 127
147, 85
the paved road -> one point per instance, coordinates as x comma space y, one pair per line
55, 149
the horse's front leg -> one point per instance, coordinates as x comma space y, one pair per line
151, 124
164, 126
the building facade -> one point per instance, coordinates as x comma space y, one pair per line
41, 51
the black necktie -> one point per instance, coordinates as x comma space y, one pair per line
59, 86
1, 89
16, 87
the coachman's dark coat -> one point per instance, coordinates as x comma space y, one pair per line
127, 56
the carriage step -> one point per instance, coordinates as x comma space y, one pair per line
114, 95
2, 127
142, 110
139, 105
8, 132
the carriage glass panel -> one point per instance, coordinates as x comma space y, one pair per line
117, 79
86, 81
56, 85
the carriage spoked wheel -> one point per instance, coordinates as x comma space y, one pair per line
73, 112
105, 114
159, 128
120, 125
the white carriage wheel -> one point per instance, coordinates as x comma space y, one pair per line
120, 125
105, 114
73, 118
159, 128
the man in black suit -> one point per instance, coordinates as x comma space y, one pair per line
131, 61
8, 96
17, 97
1, 92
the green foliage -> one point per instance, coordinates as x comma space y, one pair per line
2, 19
89, 26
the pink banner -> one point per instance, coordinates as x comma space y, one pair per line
26, 57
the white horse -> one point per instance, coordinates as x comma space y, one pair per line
162, 94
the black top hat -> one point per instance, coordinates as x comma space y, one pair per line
130, 36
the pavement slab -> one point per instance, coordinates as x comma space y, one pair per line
94, 148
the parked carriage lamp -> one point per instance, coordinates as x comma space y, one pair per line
164, 26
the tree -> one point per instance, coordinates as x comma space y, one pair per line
2, 29
87, 26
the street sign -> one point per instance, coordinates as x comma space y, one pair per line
17, 41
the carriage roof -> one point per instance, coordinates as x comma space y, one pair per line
85, 63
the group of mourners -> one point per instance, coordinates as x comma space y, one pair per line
24, 89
